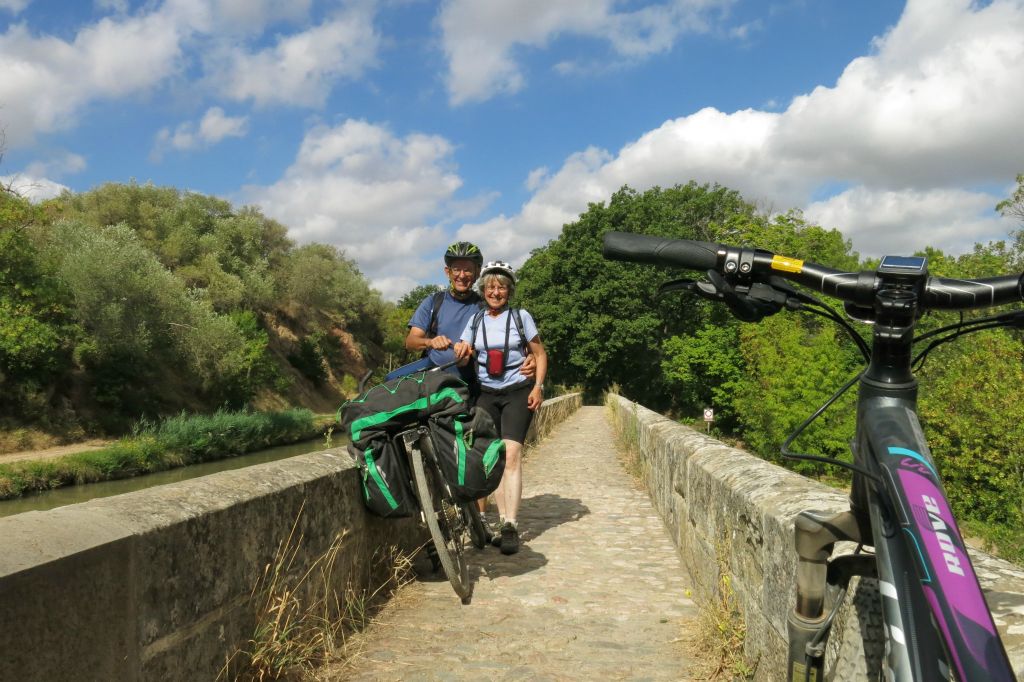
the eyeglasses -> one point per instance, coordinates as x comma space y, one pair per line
461, 271
496, 287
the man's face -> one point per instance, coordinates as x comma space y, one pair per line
462, 273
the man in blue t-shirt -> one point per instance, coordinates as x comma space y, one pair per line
462, 263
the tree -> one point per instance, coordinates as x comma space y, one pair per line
1014, 206
412, 300
601, 320
36, 333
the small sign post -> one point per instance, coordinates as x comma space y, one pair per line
709, 416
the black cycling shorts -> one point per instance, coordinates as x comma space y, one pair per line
508, 409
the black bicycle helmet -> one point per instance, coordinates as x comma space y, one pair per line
463, 251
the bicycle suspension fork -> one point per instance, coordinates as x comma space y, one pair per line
809, 623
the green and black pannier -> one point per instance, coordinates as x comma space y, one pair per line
468, 447
470, 452
385, 478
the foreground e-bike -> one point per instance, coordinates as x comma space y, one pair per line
935, 622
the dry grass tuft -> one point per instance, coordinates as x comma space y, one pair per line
302, 620
717, 637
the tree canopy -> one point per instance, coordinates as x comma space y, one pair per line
133, 300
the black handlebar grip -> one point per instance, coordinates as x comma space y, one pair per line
642, 248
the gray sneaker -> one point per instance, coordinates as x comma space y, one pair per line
509, 539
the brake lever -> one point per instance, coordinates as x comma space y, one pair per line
752, 304
702, 289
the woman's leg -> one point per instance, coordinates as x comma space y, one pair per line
510, 492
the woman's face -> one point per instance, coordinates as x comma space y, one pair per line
495, 293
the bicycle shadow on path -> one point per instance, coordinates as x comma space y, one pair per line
539, 514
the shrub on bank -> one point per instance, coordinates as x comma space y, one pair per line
178, 441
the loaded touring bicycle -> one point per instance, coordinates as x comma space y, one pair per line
422, 450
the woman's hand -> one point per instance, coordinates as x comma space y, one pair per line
462, 350
535, 398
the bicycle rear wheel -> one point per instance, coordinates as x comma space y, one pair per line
446, 522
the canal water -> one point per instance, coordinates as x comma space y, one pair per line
59, 497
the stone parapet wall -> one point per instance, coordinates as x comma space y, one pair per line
725, 507
156, 584
552, 412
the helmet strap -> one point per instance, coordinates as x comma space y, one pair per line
461, 296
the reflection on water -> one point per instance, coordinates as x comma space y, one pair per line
81, 493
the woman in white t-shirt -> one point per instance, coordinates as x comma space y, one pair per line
498, 339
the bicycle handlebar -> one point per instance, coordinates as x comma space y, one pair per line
642, 248
858, 288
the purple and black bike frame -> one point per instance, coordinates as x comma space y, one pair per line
935, 615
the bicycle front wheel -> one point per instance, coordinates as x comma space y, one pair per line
446, 522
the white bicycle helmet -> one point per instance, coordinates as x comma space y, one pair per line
495, 267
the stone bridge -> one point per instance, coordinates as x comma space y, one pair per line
622, 568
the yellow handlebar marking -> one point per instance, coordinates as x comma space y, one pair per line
787, 264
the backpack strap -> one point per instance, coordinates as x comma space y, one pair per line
435, 308
478, 317
517, 317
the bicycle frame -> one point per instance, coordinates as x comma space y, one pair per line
901, 510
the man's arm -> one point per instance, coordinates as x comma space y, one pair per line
417, 341
529, 366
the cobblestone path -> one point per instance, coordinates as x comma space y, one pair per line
596, 592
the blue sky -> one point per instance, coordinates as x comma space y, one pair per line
391, 127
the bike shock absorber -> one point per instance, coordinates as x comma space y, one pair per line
815, 536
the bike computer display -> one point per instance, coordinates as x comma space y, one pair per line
903, 265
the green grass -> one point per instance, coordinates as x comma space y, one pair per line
177, 441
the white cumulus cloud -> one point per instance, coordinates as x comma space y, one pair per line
31, 187
480, 38
39, 179
301, 68
47, 80
904, 221
14, 6
214, 126
370, 192
255, 15
935, 109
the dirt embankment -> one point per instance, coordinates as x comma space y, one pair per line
345, 362
57, 451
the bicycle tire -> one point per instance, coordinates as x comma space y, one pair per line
477, 529
856, 646
445, 522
